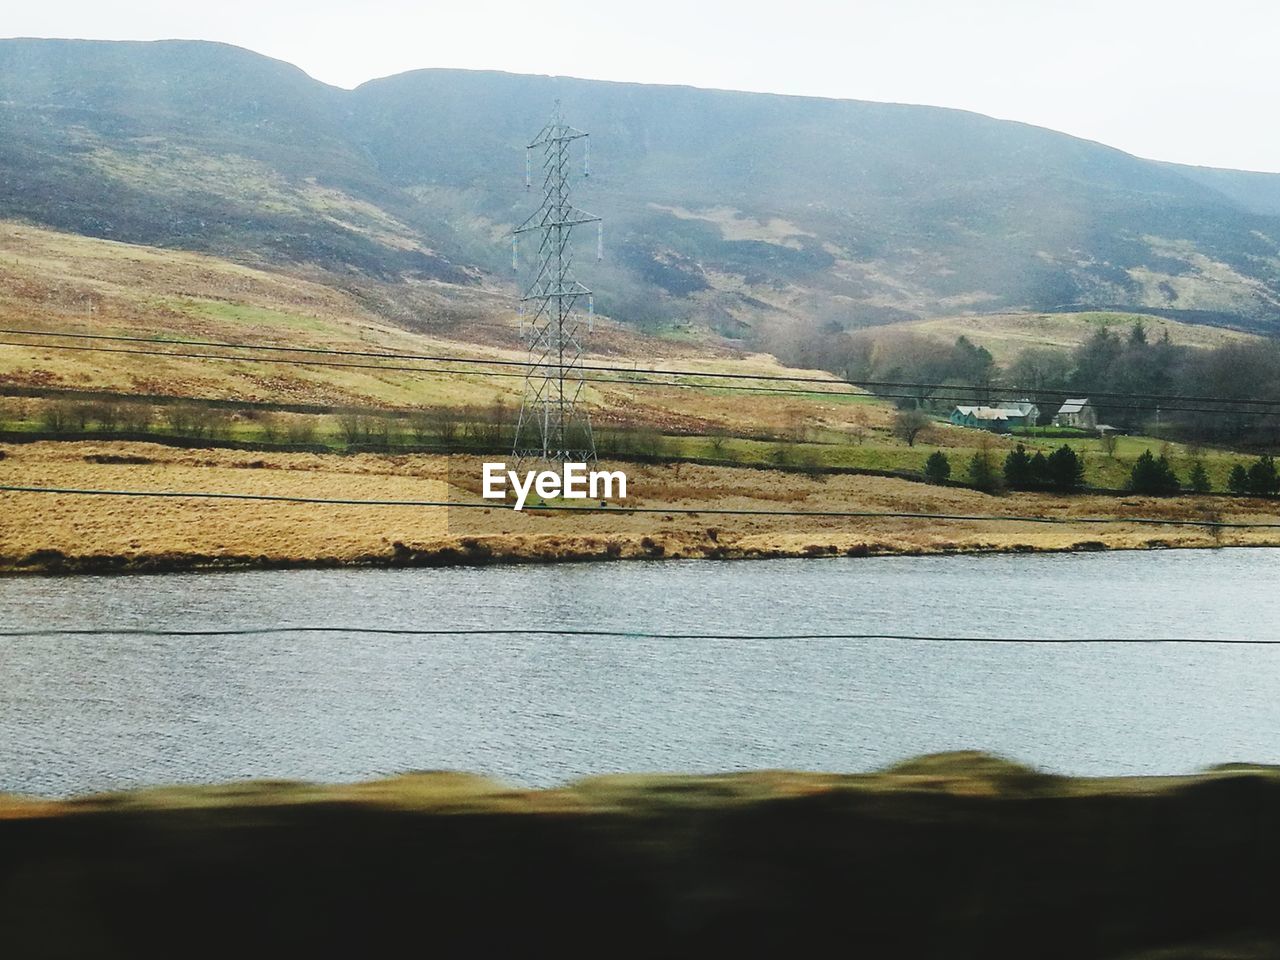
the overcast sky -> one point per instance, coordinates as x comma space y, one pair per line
1183, 80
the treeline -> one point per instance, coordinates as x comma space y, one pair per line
463, 428
477, 429
1131, 365
1061, 471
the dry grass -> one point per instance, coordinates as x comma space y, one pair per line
77, 532
55, 281
1007, 334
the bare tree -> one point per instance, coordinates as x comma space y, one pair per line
858, 426
909, 424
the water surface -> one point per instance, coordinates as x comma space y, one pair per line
90, 713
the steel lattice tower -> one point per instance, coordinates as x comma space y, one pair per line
553, 425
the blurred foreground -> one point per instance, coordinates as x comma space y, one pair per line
957, 855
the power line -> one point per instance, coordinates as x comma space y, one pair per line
633, 382
1153, 398
684, 511
612, 634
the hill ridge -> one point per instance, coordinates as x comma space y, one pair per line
757, 215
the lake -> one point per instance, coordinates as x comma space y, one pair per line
80, 714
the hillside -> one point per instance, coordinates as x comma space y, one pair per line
66, 283
748, 213
1005, 335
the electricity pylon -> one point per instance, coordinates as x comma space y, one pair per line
553, 426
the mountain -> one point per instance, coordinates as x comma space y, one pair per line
750, 213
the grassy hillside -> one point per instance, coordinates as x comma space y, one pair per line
747, 213
1005, 335
62, 282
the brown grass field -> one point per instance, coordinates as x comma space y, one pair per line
48, 532
60, 282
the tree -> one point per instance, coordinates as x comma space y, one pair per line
1199, 478
1154, 476
1041, 368
982, 470
1263, 479
908, 425
858, 425
1066, 469
1017, 469
937, 469
1040, 469
1238, 480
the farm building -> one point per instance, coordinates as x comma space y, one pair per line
998, 419
983, 418
1025, 409
1077, 413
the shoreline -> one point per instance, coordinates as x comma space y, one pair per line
447, 557
310, 510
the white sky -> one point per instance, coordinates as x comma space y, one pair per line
1185, 80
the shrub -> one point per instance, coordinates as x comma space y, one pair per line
269, 425
1017, 469
136, 417
982, 471
300, 430
812, 465
1238, 480
180, 419
1065, 470
1263, 479
650, 443
1062, 470
352, 426
189, 420
58, 416
1153, 475
422, 425
107, 414
937, 469
1199, 478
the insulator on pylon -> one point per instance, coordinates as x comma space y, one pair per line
586, 157
591, 313
599, 241
515, 254
528, 167
520, 317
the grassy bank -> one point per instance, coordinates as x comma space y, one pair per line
66, 532
959, 855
